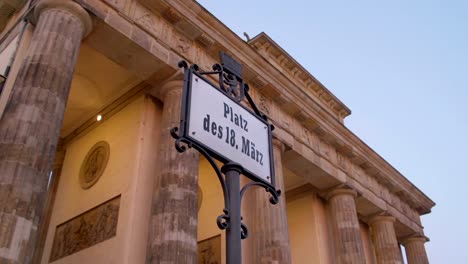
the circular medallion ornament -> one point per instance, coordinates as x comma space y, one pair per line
94, 164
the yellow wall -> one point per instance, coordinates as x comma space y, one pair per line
311, 239
133, 136
212, 205
308, 232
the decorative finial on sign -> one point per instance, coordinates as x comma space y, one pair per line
230, 64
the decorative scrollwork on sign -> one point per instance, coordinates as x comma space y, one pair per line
229, 83
275, 194
189, 144
244, 231
223, 220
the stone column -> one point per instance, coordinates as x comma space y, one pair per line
268, 224
384, 238
415, 251
173, 227
30, 127
49, 203
345, 224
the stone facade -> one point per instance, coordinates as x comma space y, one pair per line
355, 184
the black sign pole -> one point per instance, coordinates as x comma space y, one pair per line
232, 171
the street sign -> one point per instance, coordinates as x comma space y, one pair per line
228, 129
214, 121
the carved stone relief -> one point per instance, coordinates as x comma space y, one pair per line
94, 164
264, 105
118, 4
341, 161
328, 152
285, 120
146, 19
209, 250
86, 230
183, 44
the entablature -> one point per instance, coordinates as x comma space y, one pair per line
286, 64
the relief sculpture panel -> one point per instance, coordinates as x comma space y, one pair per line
86, 230
209, 250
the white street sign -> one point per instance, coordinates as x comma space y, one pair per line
227, 128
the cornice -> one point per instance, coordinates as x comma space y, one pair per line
271, 51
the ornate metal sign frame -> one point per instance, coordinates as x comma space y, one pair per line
233, 90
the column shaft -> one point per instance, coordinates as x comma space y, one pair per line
345, 224
30, 127
49, 203
385, 242
415, 250
268, 224
173, 227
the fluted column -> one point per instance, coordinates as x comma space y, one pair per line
384, 239
49, 203
415, 250
348, 243
268, 224
173, 227
30, 127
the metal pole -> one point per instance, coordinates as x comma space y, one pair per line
233, 232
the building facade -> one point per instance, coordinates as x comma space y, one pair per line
90, 90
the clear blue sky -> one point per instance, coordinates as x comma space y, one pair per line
402, 68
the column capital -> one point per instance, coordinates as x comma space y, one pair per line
414, 238
68, 5
341, 190
170, 87
278, 144
175, 83
415, 250
381, 218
